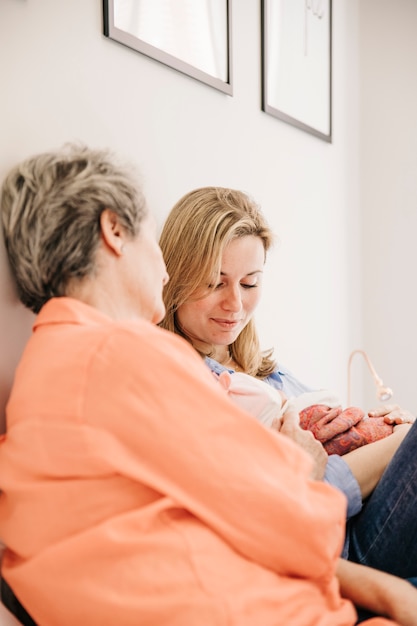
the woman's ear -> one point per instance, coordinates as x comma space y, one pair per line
111, 231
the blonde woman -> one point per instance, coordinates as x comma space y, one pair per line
215, 242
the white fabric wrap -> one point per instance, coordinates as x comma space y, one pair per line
264, 402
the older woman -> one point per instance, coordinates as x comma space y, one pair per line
133, 490
214, 242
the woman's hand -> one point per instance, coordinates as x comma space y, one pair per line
393, 414
379, 592
368, 463
289, 426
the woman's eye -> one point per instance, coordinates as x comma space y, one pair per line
243, 285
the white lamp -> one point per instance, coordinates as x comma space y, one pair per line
382, 393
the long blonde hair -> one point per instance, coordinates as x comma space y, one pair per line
193, 239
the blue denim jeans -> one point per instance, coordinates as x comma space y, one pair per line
384, 534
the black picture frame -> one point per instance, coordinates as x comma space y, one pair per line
297, 63
220, 30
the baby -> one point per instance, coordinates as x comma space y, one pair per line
339, 430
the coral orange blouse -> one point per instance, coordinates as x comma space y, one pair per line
135, 493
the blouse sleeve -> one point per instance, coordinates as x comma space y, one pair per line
339, 475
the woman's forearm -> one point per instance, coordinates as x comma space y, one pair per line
379, 592
367, 463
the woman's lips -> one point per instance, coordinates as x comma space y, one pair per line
224, 323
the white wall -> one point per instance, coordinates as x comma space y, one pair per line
388, 48
63, 80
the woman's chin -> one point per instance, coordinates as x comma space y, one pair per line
158, 315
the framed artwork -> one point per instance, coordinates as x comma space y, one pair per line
297, 63
191, 36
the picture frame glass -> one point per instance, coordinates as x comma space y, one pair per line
297, 53
191, 36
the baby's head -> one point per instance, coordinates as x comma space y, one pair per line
254, 396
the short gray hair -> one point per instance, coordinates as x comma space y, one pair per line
50, 211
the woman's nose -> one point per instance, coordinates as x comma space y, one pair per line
233, 299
